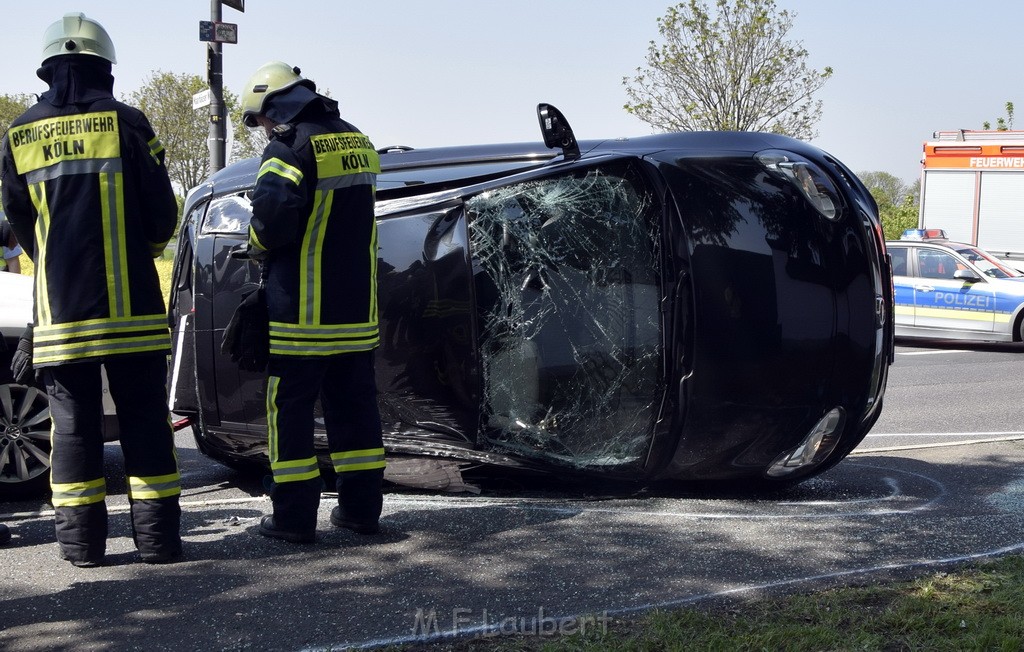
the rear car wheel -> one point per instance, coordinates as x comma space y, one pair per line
24, 440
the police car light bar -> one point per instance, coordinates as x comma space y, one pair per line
923, 234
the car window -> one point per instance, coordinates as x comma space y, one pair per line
230, 214
899, 261
937, 264
988, 264
566, 274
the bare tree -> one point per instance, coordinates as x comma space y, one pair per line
731, 71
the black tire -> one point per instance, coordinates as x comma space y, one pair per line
24, 441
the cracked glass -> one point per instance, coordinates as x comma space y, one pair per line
567, 280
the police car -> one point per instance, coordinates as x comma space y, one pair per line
952, 290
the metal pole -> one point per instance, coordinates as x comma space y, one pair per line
215, 73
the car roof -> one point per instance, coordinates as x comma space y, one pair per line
475, 162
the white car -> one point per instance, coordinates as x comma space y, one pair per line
25, 409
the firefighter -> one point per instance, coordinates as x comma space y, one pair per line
87, 193
313, 228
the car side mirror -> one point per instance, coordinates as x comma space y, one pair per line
557, 132
966, 275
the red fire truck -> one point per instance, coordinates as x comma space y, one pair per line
972, 186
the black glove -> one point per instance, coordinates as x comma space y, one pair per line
247, 335
246, 252
21, 361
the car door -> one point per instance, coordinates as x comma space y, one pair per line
942, 301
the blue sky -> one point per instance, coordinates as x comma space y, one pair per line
426, 73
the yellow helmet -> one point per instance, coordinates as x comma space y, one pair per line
269, 79
77, 34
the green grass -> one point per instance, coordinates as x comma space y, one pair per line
164, 266
977, 607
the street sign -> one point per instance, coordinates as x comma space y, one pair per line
201, 99
218, 32
235, 4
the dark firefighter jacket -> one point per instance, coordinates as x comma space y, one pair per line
313, 216
88, 196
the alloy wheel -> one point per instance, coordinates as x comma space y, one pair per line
24, 436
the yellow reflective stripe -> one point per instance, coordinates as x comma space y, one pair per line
42, 302
329, 348
323, 330
156, 486
311, 259
358, 460
73, 494
115, 251
296, 339
272, 384
72, 350
295, 470
59, 139
282, 169
101, 326
254, 239
323, 349
155, 148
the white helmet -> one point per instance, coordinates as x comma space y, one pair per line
77, 34
269, 79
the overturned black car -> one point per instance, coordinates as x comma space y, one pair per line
694, 306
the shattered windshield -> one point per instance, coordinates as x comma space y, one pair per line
566, 274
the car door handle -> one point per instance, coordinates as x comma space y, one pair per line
924, 288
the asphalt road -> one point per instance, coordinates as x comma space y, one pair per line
939, 481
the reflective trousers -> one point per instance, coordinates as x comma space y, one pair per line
138, 387
347, 390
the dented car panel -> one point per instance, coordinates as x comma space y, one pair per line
684, 306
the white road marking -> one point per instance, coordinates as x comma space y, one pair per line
994, 433
942, 444
932, 352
